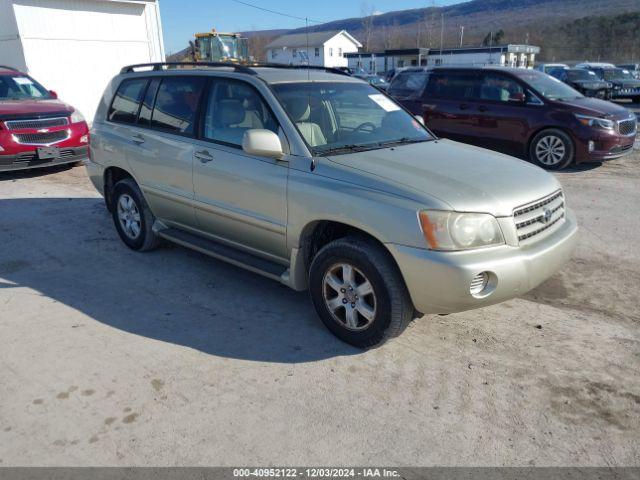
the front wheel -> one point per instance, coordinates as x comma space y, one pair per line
551, 149
358, 292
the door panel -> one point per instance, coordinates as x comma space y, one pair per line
164, 164
239, 198
163, 153
450, 105
503, 121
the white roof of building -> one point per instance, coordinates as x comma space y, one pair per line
311, 39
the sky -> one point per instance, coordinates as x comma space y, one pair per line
182, 18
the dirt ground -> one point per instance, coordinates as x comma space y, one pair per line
111, 357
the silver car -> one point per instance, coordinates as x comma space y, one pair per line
319, 181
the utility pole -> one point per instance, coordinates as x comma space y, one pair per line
441, 32
461, 34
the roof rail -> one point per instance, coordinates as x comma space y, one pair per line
166, 65
337, 71
5, 67
248, 69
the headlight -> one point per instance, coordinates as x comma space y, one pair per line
77, 117
595, 122
459, 231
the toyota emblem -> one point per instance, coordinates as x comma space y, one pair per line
546, 216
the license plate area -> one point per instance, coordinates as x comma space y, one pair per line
48, 153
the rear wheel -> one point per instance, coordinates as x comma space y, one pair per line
132, 217
551, 149
359, 293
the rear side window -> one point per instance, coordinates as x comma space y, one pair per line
177, 104
126, 102
408, 83
147, 104
453, 86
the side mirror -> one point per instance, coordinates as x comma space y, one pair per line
53, 94
420, 118
518, 97
262, 143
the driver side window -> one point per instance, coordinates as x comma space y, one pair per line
498, 88
233, 108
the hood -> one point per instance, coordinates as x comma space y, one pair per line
596, 107
12, 109
468, 178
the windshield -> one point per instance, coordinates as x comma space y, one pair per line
20, 87
345, 117
549, 87
408, 83
617, 74
581, 75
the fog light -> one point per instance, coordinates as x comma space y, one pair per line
84, 139
592, 146
479, 283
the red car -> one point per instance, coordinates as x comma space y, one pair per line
37, 129
524, 113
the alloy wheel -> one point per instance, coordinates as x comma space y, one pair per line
349, 296
550, 150
129, 216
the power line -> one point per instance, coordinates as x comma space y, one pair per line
277, 13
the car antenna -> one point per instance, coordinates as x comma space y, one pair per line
312, 167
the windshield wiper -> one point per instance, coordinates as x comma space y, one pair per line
354, 147
403, 140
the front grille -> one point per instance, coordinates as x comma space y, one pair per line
36, 123
32, 157
627, 127
45, 138
539, 219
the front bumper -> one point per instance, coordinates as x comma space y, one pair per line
438, 282
28, 160
607, 144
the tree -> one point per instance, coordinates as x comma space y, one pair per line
493, 38
368, 11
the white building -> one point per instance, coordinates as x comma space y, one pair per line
326, 49
75, 47
522, 56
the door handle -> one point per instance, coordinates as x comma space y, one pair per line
137, 139
464, 106
204, 156
482, 109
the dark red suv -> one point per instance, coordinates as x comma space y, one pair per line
521, 112
37, 129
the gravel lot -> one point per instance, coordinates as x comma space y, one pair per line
110, 357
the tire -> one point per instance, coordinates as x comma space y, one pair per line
135, 228
388, 308
551, 149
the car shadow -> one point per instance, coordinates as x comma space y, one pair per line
67, 249
34, 172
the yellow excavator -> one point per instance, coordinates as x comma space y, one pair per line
215, 46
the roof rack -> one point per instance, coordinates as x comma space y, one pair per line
5, 67
248, 69
304, 67
166, 65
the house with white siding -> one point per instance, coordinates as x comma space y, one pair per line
325, 49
